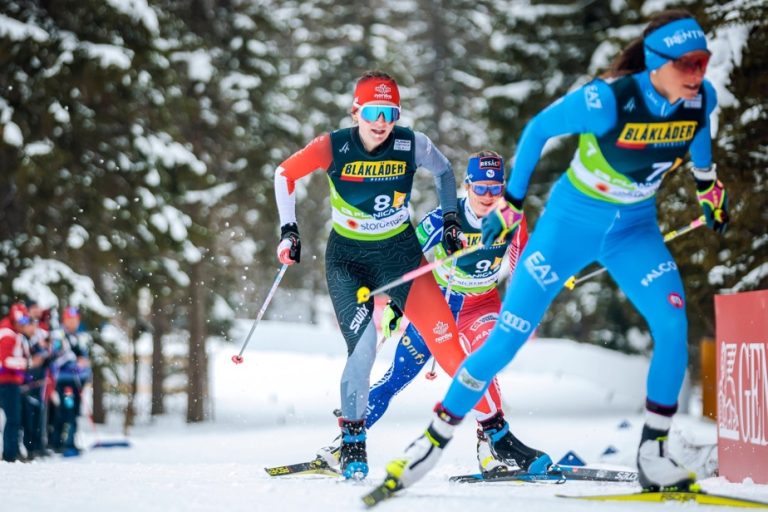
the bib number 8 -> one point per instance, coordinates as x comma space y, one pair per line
381, 203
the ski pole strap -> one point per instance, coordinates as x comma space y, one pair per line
363, 294
572, 281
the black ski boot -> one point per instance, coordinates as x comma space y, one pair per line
508, 449
354, 460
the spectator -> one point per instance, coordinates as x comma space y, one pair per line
13, 364
71, 368
34, 390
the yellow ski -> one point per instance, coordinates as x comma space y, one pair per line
701, 497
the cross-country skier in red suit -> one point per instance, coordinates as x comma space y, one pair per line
370, 169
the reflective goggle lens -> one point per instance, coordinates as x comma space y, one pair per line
692, 63
481, 190
371, 113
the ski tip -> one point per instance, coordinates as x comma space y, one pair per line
237, 359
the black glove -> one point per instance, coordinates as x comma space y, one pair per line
453, 236
289, 249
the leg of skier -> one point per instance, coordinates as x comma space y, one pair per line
545, 267
410, 357
644, 269
344, 276
498, 450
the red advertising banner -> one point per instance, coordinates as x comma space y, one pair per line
742, 385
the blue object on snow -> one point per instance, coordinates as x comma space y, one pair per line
625, 424
571, 459
111, 444
610, 450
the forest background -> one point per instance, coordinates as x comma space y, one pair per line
139, 139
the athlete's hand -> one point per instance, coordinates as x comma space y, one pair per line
714, 201
390, 319
502, 220
289, 249
453, 236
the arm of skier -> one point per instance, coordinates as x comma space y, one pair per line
315, 155
429, 157
589, 109
710, 191
430, 230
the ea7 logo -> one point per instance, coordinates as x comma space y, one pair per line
537, 266
512, 321
592, 97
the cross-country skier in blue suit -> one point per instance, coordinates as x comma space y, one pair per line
635, 126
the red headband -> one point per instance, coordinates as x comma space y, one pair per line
375, 89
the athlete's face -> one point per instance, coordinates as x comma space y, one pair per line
681, 78
483, 203
374, 133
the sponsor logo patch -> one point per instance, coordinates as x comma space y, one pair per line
694, 103
402, 145
676, 300
658, 271
592, 97
373, 171
512, 321
360, 314
417, 356
537, 266
640, 135
442, 332
469, 381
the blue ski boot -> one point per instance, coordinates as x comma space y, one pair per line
353, 457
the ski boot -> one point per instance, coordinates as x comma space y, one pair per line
330, 454
486, 461
352, 455
508, 449
422, 454
657, 471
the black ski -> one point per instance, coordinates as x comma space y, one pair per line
551, 477
315, 467
596, 474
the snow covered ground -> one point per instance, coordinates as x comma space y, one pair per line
276, 409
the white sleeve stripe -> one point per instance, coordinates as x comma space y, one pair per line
709, 174
286, 201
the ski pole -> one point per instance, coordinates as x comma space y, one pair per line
364, 293
237, 359
431, 375
573, 281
